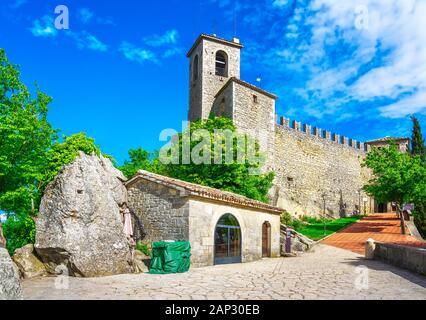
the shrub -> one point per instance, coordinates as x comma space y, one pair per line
19, 230
144, 248
286, 218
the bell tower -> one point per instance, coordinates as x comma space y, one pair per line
212, 62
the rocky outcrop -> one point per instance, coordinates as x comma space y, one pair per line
141, 262
28, 264
299, 243
79, 224
10, 287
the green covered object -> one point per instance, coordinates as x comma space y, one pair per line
170, 257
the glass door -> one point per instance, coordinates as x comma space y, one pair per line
227, 241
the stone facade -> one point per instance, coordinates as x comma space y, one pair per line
163, 212
203, 217
175, 210
307, 167
310, 164
205, 85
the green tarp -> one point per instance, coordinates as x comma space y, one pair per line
170, 257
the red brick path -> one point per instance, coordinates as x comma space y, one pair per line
379, 227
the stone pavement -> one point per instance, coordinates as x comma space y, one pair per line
327, 273
380, 227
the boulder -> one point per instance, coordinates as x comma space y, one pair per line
79, 224
10, 286
28, 264
141, 262
299, 243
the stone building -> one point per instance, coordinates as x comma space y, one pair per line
222, 227
316, 170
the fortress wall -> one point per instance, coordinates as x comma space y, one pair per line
307, 163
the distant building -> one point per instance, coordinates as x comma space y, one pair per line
402, 143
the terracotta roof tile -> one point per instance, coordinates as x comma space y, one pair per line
204, 192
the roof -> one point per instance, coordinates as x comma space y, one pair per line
387, 139
197, 190
247, 85
214, 39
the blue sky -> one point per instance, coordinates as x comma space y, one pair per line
120, 73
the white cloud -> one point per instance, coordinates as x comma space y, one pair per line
399, 27
169, 38
137, 54
85, 40
85, 15
280, 3
44, 27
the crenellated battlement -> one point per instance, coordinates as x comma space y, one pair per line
323, 134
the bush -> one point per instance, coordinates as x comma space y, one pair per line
19, 230
420, 218
286, 218
144, 248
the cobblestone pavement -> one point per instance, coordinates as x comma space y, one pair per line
327, 273
380, 227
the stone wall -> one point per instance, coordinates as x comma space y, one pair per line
203, 90
410, 258
254, 114
203, 218
308, 164
162, 210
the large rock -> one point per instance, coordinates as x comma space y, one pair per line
79, 224
28, 264
10, 286
299, 243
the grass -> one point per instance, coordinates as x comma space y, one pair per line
314, 228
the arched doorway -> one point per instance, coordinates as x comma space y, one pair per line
266, 240
227, 240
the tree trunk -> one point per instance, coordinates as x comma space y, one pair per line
401, 216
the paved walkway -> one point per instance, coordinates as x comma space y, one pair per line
327, 273
380, 227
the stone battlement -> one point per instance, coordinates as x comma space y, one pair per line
323, 134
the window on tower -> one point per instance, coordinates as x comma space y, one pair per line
221, 64
195, 68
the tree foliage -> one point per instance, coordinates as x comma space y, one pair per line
63, 153
31, 155
140, 159
417, 142
398, 177
19, 230
214, 169
25, 137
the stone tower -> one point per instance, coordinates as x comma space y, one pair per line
213, 61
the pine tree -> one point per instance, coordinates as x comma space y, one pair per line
417, 142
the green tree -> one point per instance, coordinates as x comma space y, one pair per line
141, 159
25, 137
63, 153
235, 173
417, 141
19, 230
398, 177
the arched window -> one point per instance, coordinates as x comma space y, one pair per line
221, 64
195, 68
227, 240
